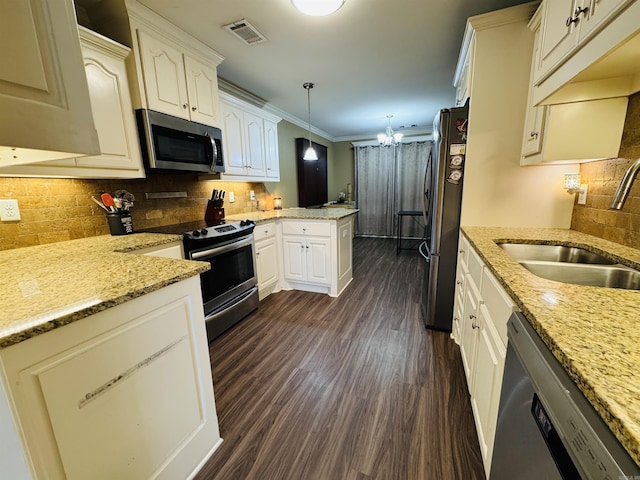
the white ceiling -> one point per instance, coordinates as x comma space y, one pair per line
370, 59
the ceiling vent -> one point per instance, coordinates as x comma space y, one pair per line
246, 32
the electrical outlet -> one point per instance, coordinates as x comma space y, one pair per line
9, 211
232, 197
252, 195
582, 196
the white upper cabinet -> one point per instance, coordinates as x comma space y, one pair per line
202, 91
175, 73
120, 157
249, 142
586, 50
164, 76
272, 160
44, 99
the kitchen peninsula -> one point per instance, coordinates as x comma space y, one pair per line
124, 390
306, 249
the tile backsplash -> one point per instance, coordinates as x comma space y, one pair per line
603, 177
54, 210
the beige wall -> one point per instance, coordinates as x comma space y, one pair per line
595, 218
339, 165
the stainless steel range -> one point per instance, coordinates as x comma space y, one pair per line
229, 289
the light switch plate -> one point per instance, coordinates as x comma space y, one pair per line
252, 195
9, 211
232, 197
582, 196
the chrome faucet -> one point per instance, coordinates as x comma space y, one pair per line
625, 186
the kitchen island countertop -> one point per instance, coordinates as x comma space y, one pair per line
331, 213
48, 286
592, 331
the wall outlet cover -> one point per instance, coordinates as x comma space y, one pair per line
252, 195
232, 197
9, 211
582, 196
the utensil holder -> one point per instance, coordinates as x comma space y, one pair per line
120, 223
213, 214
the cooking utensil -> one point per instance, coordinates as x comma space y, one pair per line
100, 204
107, 199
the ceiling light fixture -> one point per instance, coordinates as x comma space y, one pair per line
310, 153
317, 8
389, 138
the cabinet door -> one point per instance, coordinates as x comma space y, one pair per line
164, 76
267, 263
202, 88
487, 382
532, 139
599, 13
468, 330
318, 260
112, 113
44, 98
557, 38
254, 145
233, 146
295, 258
272, 159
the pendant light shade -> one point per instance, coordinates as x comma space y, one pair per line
310, 153
317, 8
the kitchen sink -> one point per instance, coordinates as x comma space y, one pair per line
553, 253
612, 276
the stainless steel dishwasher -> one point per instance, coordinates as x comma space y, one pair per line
546, 427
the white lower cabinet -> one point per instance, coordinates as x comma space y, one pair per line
267, 259
126, 393
317, 255
485, 309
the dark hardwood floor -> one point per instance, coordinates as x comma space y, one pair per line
314, 387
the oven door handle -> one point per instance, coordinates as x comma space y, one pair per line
223, 248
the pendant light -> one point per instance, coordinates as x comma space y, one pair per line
317, 8
389, 138
310, 153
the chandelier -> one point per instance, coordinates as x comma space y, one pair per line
389, 138
317, 8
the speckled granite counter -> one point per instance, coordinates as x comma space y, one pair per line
47, 286
332, 213
594, 332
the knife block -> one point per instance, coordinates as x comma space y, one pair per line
213, 214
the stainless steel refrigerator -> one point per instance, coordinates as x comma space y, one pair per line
442, 200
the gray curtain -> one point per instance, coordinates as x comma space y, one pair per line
388, 180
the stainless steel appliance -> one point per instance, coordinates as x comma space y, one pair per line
546, 427
442, 201
229, 289
176, 145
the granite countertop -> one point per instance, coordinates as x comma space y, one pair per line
592, 331
47, 286
330, 213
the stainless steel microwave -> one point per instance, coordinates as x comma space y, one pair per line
176, 145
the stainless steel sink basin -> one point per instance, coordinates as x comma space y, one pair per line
612, 276
553, 253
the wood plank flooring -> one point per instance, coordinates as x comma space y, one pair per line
313, 387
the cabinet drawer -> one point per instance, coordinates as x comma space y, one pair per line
264, 230
498, 303
321, 229
475, 265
